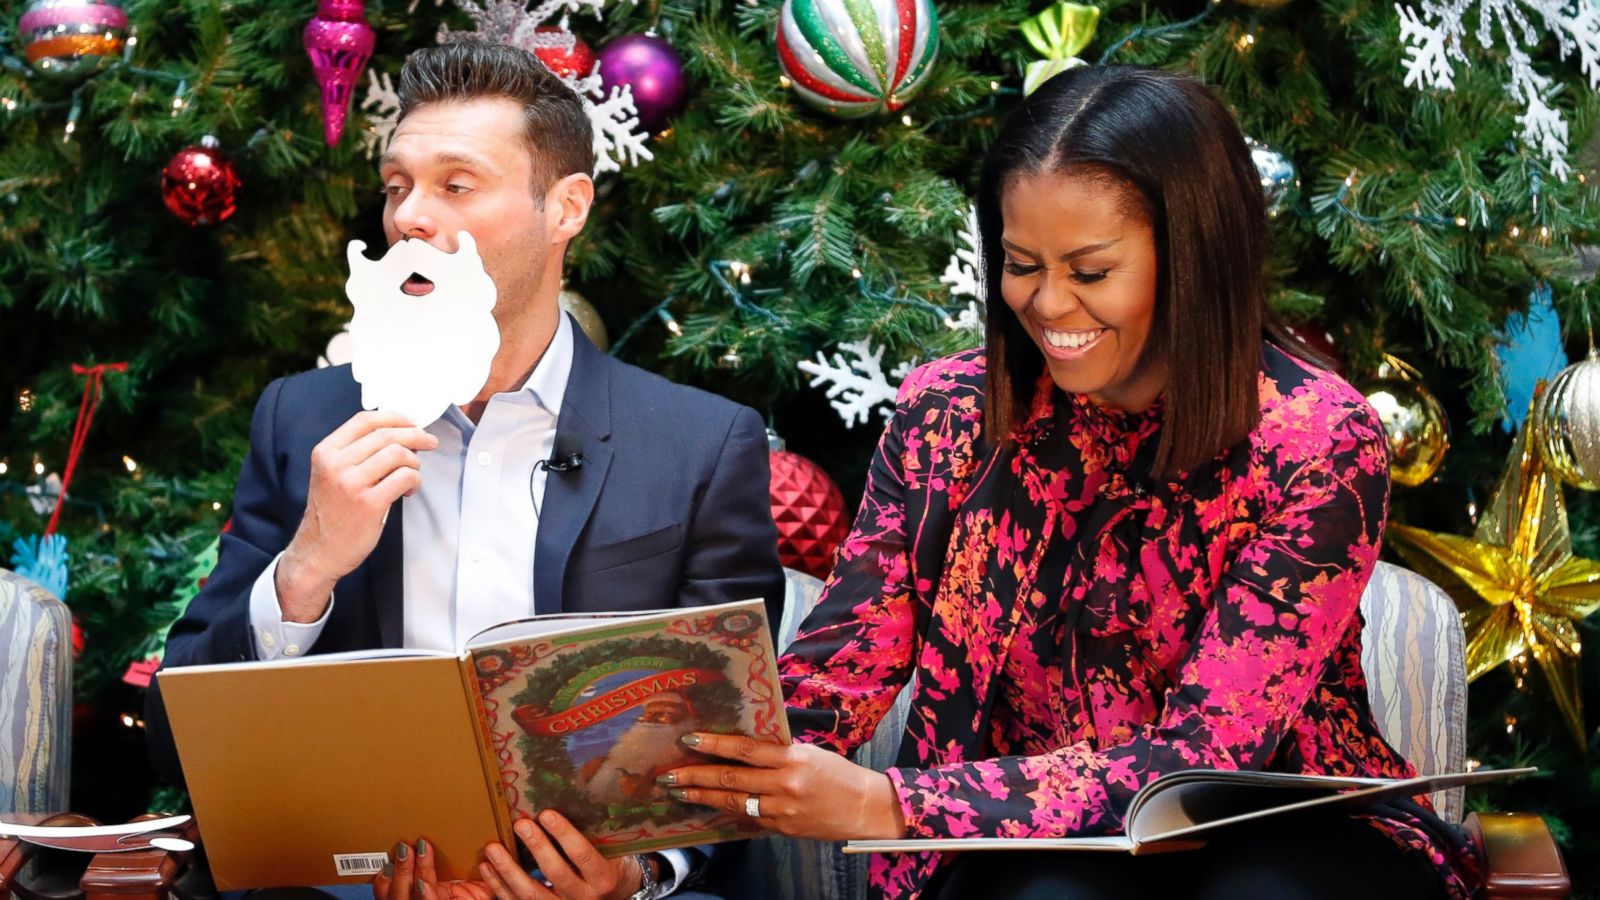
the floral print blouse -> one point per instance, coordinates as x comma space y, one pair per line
1078, 628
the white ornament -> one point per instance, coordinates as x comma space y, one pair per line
382, 106
42, 497
339, 349
969, 319
1433, 41
616, 123
857, 386
418, 353
962, 271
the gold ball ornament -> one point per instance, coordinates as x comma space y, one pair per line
1414, 424
1567, 424
588, 318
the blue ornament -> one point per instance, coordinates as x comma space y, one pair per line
1531, 352
44, 560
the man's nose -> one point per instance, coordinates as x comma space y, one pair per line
414, 217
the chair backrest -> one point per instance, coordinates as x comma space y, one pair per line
35, 697
1414, 654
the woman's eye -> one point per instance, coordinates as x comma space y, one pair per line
1015, 268
1088, 277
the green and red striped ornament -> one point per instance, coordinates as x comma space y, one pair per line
854, 58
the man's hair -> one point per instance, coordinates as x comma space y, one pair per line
1182, 160
554, 123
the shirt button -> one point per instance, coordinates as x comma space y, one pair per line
483, 458
266, 638
291, 650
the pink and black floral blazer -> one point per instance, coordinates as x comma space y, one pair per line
1078, 628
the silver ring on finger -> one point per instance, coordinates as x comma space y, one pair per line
752, 806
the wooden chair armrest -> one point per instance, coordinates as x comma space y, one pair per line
1519, 854
15, 856
138, 874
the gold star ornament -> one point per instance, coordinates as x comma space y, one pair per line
1518, 586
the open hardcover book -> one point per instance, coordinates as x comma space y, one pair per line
307, 771
1179, 810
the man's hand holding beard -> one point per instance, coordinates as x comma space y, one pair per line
357, 472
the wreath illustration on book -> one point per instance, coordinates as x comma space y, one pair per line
692, 684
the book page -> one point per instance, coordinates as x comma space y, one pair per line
1190, 806
583, 719
1112, 843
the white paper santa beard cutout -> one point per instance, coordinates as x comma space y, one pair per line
419, 355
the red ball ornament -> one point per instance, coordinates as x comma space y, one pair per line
576, 62
199, 184
809, 511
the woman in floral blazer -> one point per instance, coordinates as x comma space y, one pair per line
1127, 537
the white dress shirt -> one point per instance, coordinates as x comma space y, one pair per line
470, 530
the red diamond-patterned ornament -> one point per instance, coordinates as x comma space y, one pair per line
809, 510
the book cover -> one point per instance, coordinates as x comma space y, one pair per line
583, 722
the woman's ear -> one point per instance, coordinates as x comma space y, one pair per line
566, 207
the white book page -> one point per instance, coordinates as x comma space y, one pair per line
564, 623
1112, 843
318, 659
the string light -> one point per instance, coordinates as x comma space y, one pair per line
4, 468
672, 325
216, 506
995, 86
25, 399
1544, 232
1472, 510
1461, 221
906, 120
784, 82
1511, 724
730, 359
127, 461
1474, 765
9, 103
1245, 42
856, 274
38, 468
740, 270
1516, 231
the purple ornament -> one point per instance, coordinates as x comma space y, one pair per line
339, 42
654, 70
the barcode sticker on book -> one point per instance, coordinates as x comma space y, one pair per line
350, 864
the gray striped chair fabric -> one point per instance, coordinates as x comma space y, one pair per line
35, 697
1413, 651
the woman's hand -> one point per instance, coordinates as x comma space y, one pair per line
799, 790
411, 876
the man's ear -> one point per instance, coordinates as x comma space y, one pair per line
566, 207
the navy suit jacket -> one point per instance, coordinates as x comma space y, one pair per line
669, 508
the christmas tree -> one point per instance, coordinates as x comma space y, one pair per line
782, 223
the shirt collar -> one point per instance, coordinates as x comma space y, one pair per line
546, 385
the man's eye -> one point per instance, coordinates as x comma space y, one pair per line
457, 188
394, 190
1088, 277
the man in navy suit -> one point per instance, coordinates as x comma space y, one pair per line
571, 483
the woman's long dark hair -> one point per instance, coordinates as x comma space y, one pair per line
1169, 138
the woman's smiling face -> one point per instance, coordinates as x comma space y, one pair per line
1080, 274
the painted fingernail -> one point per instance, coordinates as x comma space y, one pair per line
401, 851
388, 870
678, 794
668, 778
693, 740
417, 889
422, 847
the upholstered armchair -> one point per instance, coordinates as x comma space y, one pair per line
1415, 660
35, 697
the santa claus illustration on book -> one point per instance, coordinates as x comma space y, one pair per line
650, 746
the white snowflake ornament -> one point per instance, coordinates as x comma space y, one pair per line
857, 386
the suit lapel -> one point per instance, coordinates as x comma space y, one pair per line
569, 497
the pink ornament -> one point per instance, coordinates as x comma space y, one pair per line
339, 42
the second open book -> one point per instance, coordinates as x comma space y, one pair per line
1179, 811
307, 771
